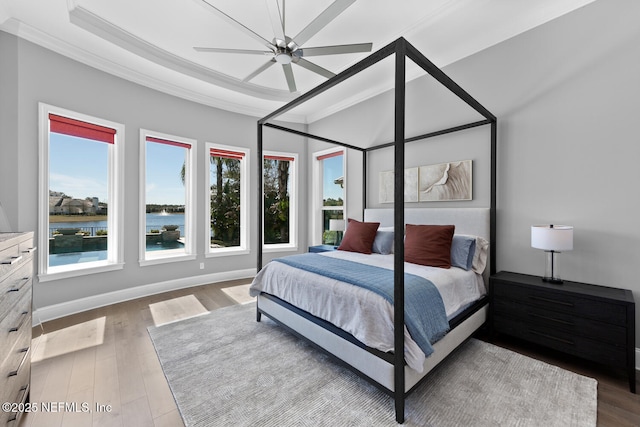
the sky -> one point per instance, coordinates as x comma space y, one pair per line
78, 167
332, 171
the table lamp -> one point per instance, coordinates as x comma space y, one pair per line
553, 239
337, 225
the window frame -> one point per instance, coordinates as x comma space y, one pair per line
317, 192
115, 189
293, 205
170, 255
245, 225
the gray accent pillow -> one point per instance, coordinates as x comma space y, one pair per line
383, 243
463, 249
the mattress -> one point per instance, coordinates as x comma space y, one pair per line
364, 314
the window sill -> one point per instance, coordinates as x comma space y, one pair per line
226, 252
77, 271
279, 248
166, 257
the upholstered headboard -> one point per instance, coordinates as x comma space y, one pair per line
474, 221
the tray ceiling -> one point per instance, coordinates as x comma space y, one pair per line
152, 42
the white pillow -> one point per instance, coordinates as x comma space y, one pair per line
480, 256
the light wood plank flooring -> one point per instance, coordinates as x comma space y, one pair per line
105, 357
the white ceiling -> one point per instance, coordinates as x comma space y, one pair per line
151, 41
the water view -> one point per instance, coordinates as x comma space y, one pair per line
155, 221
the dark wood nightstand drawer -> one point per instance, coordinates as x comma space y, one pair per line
542, 317
567, 342
589, 321
604, 311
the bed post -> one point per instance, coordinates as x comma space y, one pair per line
398, 223
259, 208
493, 207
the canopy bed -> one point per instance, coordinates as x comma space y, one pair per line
396, 372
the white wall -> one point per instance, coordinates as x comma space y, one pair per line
30, 74
566, 97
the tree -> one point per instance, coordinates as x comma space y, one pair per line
225, 201
276, 201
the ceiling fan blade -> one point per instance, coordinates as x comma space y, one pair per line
224, 50
288, 73
276, 19
259, 70
337, 49
328, 15
315, 68
235, 23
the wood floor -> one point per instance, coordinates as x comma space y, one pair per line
105, 357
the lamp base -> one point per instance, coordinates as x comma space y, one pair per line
552, 280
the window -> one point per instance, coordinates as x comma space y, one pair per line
167, 165
80, 194
280, 201
228, 195
329, 194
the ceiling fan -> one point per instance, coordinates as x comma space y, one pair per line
287, 50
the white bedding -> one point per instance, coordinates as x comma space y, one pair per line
362, 313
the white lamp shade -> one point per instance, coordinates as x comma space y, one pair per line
336, 225
552, 237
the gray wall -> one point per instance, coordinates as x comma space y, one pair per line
566, 97
31, 74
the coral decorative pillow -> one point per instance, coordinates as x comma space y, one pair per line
429, 245
359, 236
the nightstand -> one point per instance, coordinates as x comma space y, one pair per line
590, 321
322, 248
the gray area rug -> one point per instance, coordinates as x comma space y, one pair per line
225, 369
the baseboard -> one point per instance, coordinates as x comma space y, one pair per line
56, 311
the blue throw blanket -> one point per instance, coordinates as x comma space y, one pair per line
424, 311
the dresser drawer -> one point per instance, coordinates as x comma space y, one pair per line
563, 341
562, 301
15, 328
15, 392
542, 317
10, 258
14, 288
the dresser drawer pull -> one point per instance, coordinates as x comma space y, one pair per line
12, 260
551, 337
23, 317
24, 359
567, 304
29, 250
553, 319
17, 288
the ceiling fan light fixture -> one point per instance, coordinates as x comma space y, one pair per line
283, 58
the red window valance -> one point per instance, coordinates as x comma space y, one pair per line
328, 156
282, 158
73, 127
168, 142
227, 154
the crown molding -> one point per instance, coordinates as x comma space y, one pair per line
106, 30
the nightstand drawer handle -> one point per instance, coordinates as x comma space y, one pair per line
568, 304
553, 319
551, 337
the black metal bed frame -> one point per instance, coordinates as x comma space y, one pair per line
402, 50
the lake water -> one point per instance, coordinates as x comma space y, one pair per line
155, 221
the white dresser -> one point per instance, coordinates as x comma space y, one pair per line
16, 273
